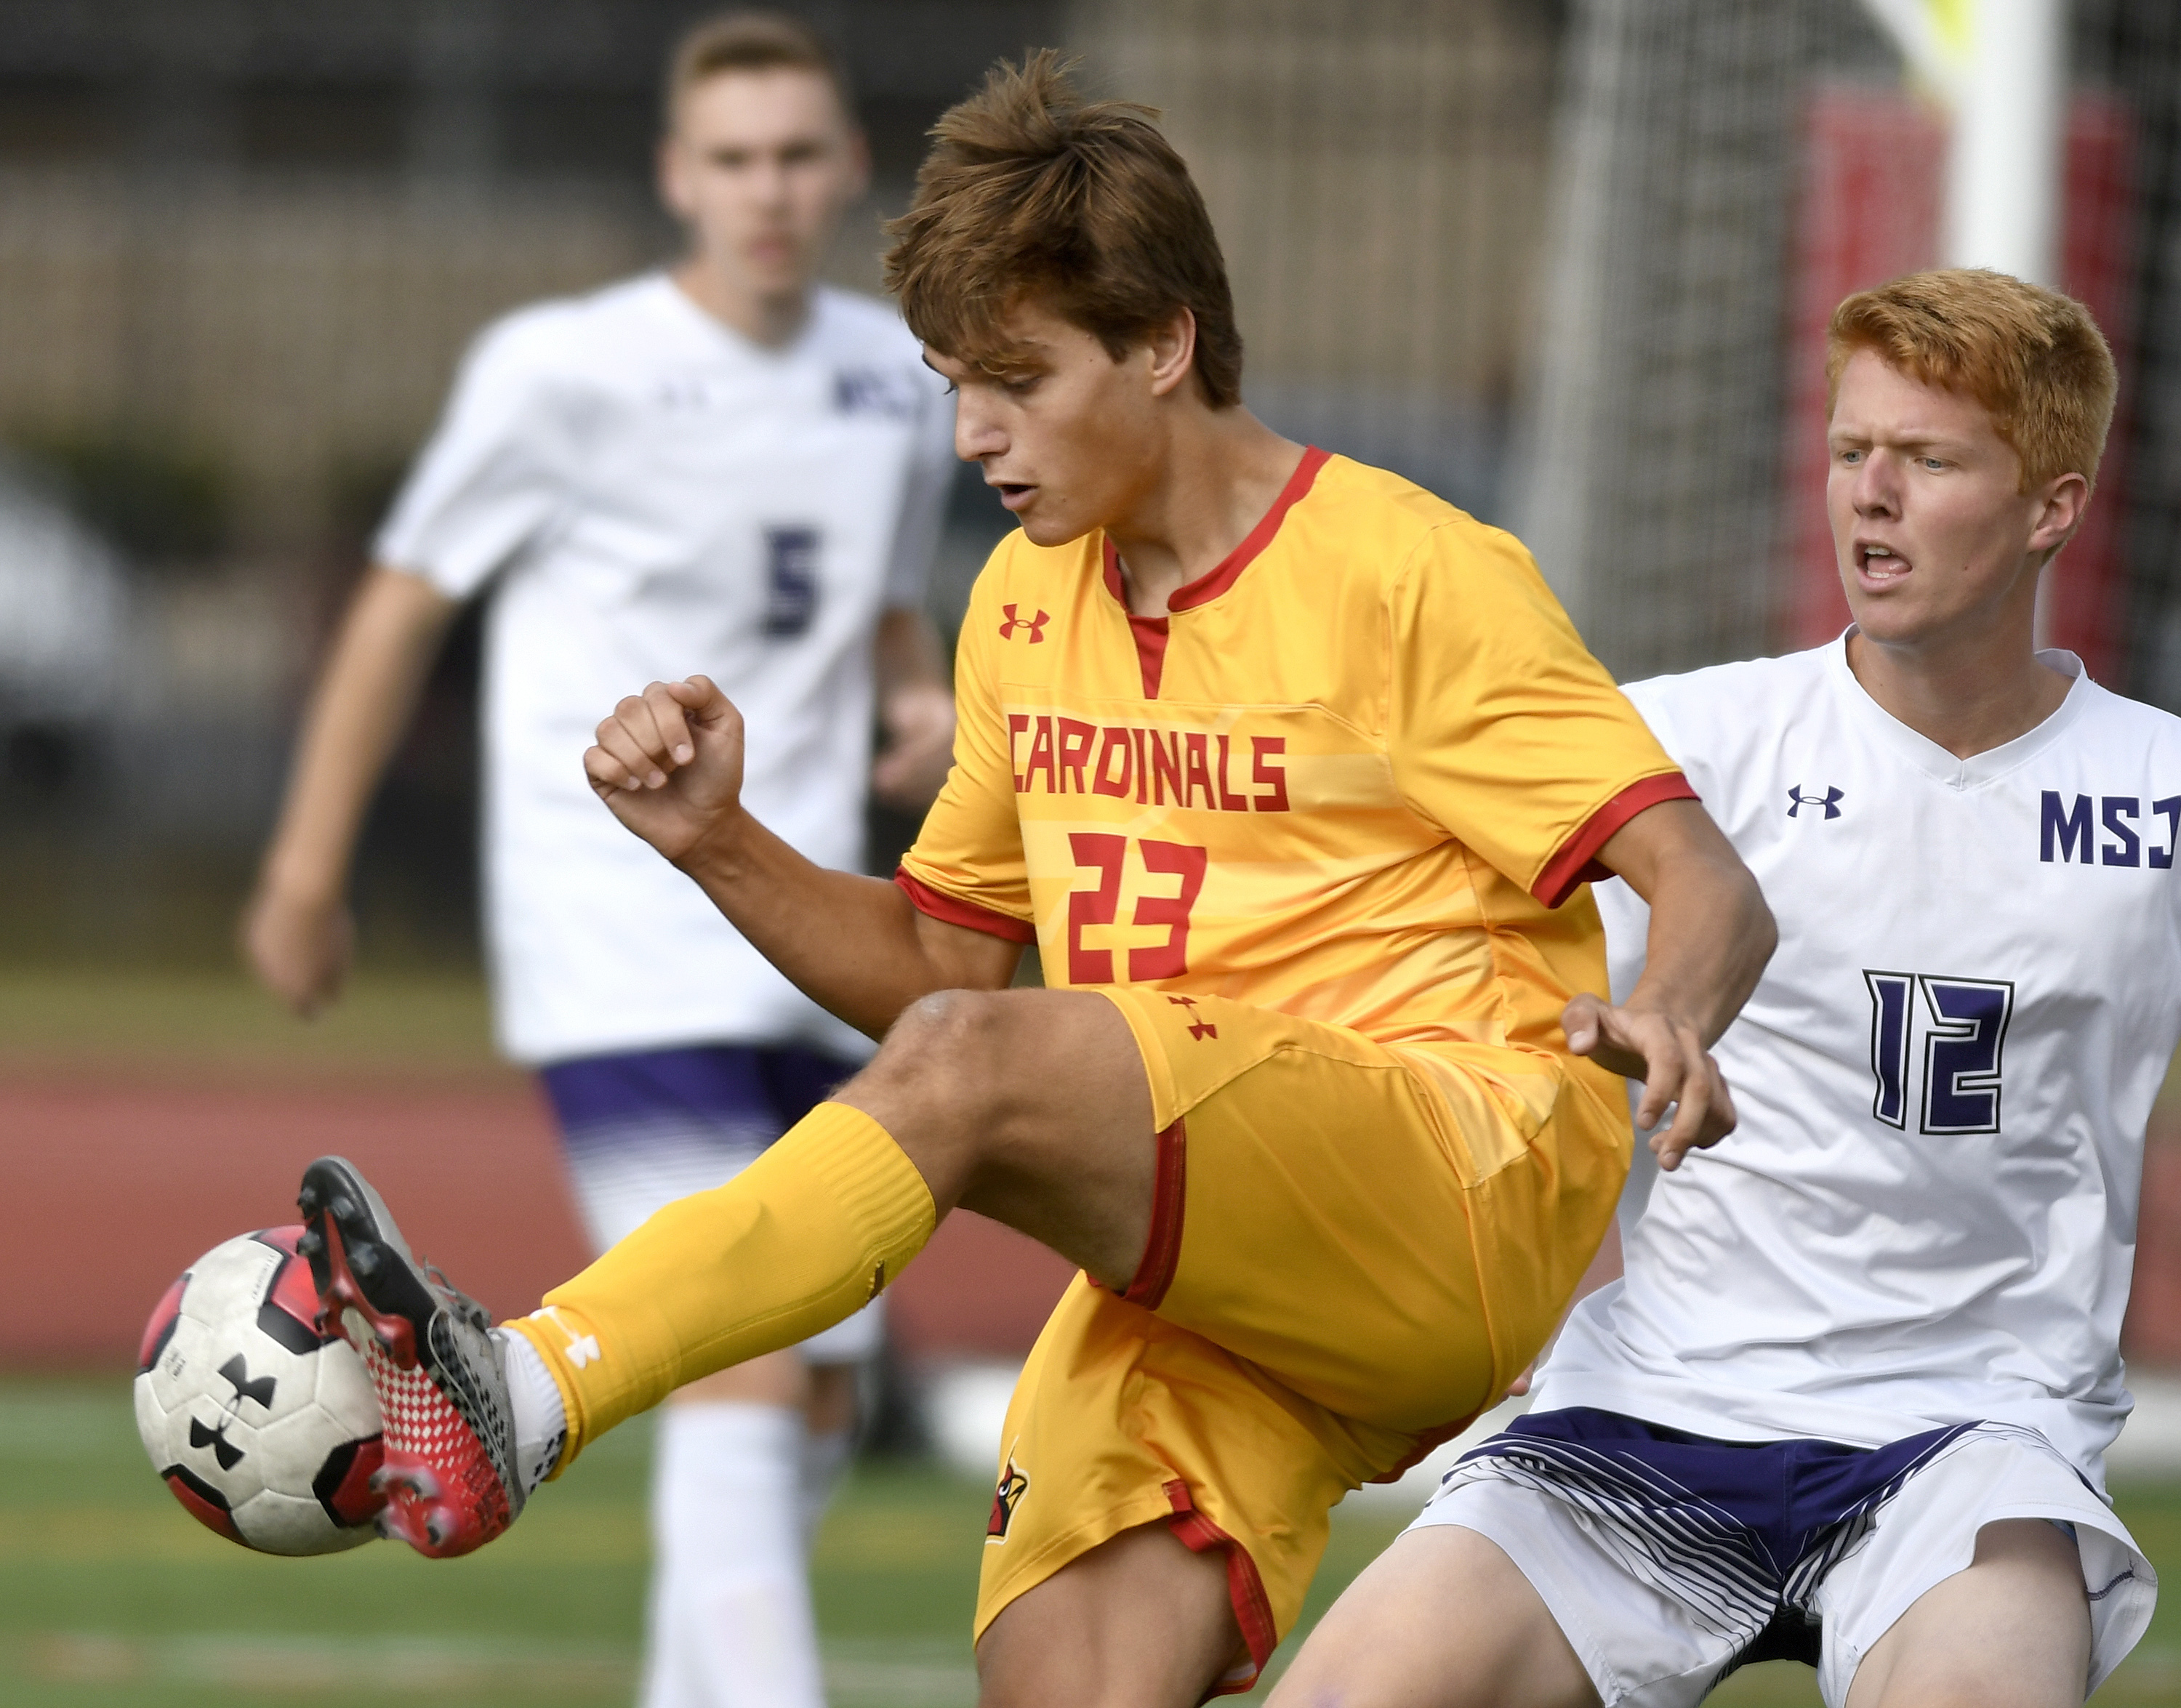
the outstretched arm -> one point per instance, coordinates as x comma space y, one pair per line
1711, 934
295, 928
669, 762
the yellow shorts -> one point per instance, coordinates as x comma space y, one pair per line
1351, 1254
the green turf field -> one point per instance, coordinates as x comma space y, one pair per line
110, 1595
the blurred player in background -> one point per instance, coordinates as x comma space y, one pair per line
1852, 1401
1295, 774
724, 468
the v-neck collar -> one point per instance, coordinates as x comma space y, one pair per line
1150, 633
1935, 762
723, 339
1228, 571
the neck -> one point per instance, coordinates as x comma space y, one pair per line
1217, 474
1968, 693
768, 320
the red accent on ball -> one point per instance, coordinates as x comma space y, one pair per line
210, 1515
161, 1327
293, 1291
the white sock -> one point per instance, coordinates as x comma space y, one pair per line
730, 1624
825, 1463
541, 1421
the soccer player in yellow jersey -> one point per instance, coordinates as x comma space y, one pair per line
1295, 774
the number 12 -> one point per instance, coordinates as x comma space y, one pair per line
1963, 1042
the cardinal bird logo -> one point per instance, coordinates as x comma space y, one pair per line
1013, 1486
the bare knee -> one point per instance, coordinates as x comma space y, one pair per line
951, 1042
1029, 1107
988, 1066
939, 1085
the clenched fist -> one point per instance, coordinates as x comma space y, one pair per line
669, 762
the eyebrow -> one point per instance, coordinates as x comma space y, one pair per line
1907, 441
997, 369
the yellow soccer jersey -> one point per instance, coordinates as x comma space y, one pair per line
1354, 776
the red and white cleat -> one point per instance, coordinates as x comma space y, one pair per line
449, 1474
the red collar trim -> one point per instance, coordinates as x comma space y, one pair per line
1223, 575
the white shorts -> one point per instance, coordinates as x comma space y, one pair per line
1663, 1575
642, 1128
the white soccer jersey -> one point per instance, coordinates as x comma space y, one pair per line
1928, 1213
656, 496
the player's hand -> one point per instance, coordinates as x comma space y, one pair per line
920, 727
669, 762
1668, 1057
299, 946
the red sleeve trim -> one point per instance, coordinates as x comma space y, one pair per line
1577, 863
954, 911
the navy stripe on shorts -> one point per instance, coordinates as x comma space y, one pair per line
1734, 1527
740, 1096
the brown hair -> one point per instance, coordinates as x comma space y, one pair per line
2033, 358
750, 41
1030, 189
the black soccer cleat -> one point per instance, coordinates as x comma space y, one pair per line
449, 1474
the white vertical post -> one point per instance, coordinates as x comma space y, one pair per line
2003, 178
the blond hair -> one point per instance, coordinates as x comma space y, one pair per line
2033, 358
750, 41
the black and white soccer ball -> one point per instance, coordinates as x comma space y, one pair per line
266, 1429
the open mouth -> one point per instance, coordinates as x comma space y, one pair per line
1013, 493
1879, 562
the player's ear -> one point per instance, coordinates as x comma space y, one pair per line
858, 183
2065, 498
672, 178
1172, 350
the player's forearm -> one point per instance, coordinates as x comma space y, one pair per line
362, 704
1710, 937
906, 654
1711, 933
855, 946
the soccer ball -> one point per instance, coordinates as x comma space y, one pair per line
267, 1430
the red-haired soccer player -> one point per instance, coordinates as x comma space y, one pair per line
1851, 1402
1295, 774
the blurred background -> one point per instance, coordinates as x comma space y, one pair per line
1566, 262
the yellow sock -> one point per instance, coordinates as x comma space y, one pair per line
805, 1235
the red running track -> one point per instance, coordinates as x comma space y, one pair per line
116, 1185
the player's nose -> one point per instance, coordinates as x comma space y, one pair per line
1876, 489
977, 434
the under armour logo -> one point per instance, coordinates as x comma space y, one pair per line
1829, 801
1036, 625
236, 1375
229, 1455
582, 1349
1198, 1030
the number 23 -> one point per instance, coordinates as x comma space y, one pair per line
1107, 855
